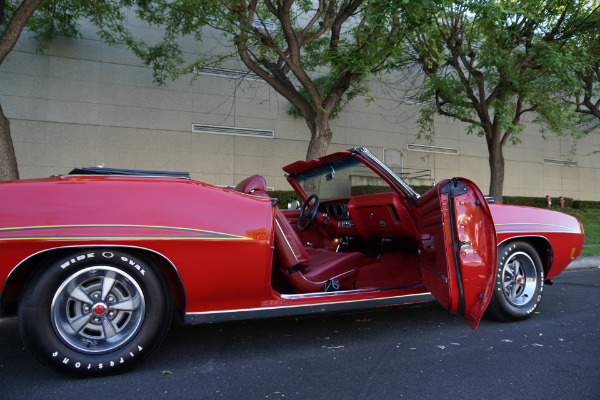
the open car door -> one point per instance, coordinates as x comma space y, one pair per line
458, 247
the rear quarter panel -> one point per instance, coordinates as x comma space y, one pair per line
563, 232
219, 241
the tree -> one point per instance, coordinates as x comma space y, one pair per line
586, 47
588, 101
312, 52
490, 63
12, 22
46, 19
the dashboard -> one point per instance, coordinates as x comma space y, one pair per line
372, 215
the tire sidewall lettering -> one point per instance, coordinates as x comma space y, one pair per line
73, 262
40, 336
67, 360
503, 308
134, 264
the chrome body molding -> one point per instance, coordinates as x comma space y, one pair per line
344, 292
279, 311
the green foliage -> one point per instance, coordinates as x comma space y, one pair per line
325, 84
421, 189
50, 18
586, 205
590, 219
284, 197
585, 48
590, 251
541, 202
62, 17
487, 63
317, 54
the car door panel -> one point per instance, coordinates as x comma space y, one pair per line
457, 243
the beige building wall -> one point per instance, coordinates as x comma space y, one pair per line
83, 103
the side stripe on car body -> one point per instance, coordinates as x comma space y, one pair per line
112, 232
532, 227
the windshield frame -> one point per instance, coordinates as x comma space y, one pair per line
364, 156
385, 170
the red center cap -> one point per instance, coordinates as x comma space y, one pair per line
520, 279
99, 309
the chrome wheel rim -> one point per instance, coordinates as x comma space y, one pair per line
98, 309
519, 279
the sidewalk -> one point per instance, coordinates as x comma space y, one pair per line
584, 263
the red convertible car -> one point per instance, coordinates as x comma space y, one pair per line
96, 263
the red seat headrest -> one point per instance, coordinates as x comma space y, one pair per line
255, 183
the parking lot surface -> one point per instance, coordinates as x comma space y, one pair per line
412, 353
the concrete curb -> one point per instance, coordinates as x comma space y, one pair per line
584, 263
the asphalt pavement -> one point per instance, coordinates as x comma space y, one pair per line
412, 353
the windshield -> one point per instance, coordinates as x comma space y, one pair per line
345, 178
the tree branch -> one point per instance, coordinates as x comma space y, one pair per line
445, 113
348, 9
324, 24
15, 26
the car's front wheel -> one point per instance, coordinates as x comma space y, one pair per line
95, 312
519, 282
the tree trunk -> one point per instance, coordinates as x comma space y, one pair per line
15, 26
320, 137
319, 143
8, 161
8, 40
496, 160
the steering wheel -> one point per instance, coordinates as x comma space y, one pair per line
309, 213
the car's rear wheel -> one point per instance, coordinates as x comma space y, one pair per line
95, 312
519, 282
